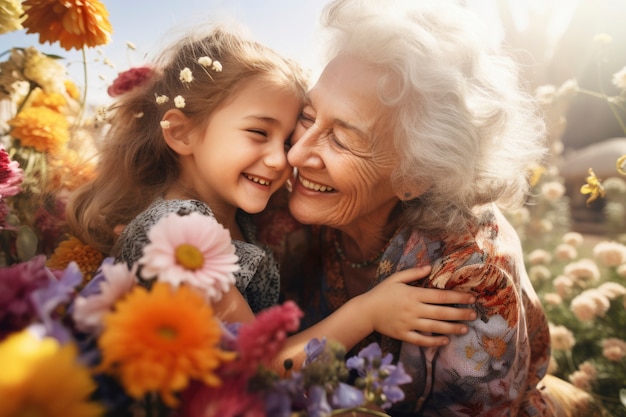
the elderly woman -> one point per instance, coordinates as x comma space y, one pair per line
415, 133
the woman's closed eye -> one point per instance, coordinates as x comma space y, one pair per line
306, 119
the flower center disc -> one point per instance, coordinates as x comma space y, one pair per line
167, 333
189, 256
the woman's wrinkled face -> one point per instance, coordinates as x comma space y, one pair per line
342, 150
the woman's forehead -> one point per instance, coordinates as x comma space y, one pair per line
346, 92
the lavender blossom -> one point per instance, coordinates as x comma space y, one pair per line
347, 396
318, 402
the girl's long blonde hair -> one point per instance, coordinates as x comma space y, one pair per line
135, 164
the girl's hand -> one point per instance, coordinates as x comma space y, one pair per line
421, 316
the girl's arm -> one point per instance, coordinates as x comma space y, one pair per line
392, 308
233, 308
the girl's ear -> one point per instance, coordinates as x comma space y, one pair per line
176, 132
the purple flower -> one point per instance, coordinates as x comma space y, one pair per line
391, 384
58, 291
381, 375
314, 349
347, 396
17, 283
277, 403
318, 402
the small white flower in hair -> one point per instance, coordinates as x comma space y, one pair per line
602, 39
217, 66
165, 124
162, 99
205, 61
179, 102
186, 76
138, 115
101, 113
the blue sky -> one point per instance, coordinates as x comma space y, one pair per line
289, 26
285, 25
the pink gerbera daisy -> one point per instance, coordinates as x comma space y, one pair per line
193, 249
11, 175
116, 281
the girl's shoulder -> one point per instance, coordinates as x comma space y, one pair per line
134, 237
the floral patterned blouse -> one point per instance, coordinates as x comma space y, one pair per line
257, 278
493, 370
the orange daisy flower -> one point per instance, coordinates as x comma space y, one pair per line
54, 101
68, 170
158, 340
73, 23
86, 257
71, 89
41, 128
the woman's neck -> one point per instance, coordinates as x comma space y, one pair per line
367, 238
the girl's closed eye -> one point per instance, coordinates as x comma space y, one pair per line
260, 133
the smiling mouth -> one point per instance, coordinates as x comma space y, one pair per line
314, 186
258, 180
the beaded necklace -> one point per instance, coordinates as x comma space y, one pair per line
357, 265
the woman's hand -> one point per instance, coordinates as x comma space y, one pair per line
416, 315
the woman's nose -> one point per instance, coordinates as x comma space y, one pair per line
304, 149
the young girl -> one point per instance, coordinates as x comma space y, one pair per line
207, 133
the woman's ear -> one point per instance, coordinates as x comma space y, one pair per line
176, 132
410, 191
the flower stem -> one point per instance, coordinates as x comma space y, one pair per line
83, 102
611, 104
363, 410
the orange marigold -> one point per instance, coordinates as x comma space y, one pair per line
42, 128
86, 257
158, 340
73, 23
55, 101
69, 171
71, 89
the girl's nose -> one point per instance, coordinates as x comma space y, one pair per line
276, 158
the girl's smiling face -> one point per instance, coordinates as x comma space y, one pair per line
240, 158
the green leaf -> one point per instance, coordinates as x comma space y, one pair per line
26, 243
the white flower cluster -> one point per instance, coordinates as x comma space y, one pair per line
186, 76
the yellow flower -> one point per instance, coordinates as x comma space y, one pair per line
40, 98
536, 172
593, 187
157, 340
86, 257
48, 73
71, 89
41, 128
73, 23
621, 164
10, 16
69, 171
41, 378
